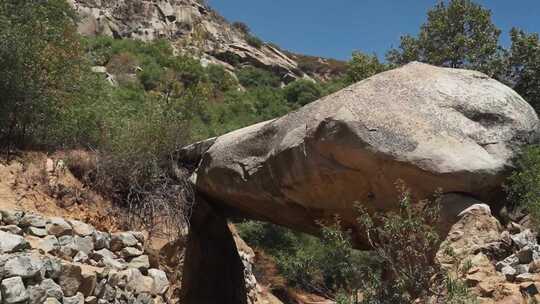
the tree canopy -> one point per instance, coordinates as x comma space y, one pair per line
457, 34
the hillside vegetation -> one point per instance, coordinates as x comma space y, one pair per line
149, 101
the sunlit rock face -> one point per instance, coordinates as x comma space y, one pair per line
190, 25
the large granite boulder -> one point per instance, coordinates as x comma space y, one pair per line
431, 127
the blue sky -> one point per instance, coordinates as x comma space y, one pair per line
336, 28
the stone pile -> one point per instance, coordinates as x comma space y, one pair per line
53, 260
521, 265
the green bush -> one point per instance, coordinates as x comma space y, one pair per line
254, 77
363, 66
406, 241
523, 186
222, 80
327, 266
242, 27
302, 92
254, 41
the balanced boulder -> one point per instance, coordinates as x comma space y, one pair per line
457, 130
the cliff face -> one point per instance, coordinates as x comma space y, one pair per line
190, 25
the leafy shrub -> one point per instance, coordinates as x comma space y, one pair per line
151, 75
222, 80
406, 241
254, 77
325, 266
254, 41
265, 235
363, 66
302, 92
242, 27
523, 186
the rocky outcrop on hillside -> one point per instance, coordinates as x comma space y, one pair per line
192, 26
431, 127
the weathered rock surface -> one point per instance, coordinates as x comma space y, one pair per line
430, 127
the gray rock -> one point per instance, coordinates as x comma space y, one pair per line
11, 217
12, 243
525, 277
81, 257
67, 252
91, 300
141, 262
70, 279
521, 269
52, 289
68, 247
510, 261
130, 252
48, 244
114, 263
161, 283
524, 238
100, 288
36, 294
428, 126
24, 266
108, 293
88, 282
102, 240
39, 232
103, 253
58, 227
76, 299
108, 259
14, 229
82, 229
144, 299
84, 244
52, 301
65, 240
33, 220
509, 272
13, 291
53, 268
120, 240
138, 283
525, 255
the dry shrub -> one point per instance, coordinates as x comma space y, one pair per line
81, 163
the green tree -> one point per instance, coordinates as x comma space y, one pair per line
458, 34
523, 186
302, 92
363, 66
255, 77
40, 68
523, 71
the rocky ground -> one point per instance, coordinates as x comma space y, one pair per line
62, 243
53, 260
501, 264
